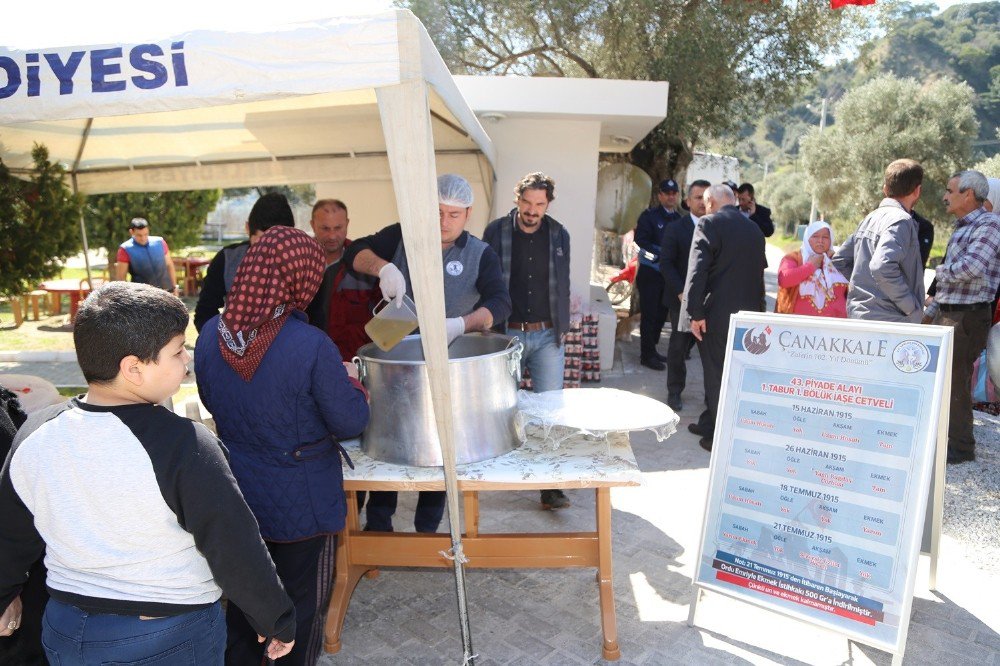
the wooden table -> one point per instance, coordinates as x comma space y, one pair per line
75, 289
188, 278
577, 463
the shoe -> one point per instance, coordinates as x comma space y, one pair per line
705, 443
554, 499
663, 359
696, 429
958, 457
653, 363
674, 402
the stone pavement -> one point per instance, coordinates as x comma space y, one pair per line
551, 616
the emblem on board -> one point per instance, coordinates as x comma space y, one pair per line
756, 344
911, 356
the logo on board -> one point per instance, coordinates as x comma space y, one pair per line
911, 356
756, 344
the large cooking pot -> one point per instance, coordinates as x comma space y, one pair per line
485, 372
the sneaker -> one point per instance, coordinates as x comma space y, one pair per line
653, 363
554, 499
674, 402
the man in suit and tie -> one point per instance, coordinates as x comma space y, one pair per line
674, 252
725, 275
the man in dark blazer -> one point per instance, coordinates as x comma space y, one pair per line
725, 275
674, 252
761, 215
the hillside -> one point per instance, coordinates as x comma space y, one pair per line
961, 44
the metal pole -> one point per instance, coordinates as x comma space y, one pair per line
822, 126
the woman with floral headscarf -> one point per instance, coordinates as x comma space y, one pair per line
808, 283
282, 399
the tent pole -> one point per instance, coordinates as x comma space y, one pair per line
406, 124
76, 191
83, 235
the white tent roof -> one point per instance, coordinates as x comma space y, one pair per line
365, 97
217, 109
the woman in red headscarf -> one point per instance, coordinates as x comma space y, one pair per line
282, 400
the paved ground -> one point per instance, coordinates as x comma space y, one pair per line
552, 616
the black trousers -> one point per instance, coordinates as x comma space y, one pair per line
306, 570
382, 506
972, 327
712, 350
677, 350
649, 282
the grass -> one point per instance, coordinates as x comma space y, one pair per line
50, 332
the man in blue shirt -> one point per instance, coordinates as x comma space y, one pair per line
146, 258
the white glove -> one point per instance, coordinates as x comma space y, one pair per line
392, 283
454, 327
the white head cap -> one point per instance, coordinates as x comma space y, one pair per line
453, 190
994, 195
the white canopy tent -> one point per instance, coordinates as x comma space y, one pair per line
354, 99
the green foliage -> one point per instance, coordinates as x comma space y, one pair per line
786, 192
886, 120
727, 62
39, 224
178, 217
990, 167
961, 43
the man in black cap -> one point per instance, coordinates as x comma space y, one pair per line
649, 280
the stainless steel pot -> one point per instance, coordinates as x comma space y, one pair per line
485, 371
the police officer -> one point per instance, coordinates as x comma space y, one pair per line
649, 280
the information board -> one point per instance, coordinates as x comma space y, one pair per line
823, 453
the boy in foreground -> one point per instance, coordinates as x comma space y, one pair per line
141, 520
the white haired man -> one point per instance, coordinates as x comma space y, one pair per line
967, 282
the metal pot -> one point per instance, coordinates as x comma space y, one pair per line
485, 371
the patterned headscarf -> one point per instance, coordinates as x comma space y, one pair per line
281, 272
819, 287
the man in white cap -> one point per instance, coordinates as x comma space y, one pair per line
475, 297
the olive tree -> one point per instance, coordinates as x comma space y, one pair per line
727, 62
884, 120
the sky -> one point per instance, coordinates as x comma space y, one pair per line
26, 25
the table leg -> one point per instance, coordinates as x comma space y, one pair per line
609, 622
56, 307
471, 513
345, 580
74, 305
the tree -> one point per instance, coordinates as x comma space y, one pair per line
177, 216
786, 191
990, 167
885, 120
727, 62
39, 225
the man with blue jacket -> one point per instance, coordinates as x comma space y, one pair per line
649, 280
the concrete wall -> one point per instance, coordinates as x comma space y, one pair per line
567, 151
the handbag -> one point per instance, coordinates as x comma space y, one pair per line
983, 389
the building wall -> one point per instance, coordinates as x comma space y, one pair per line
567, 151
